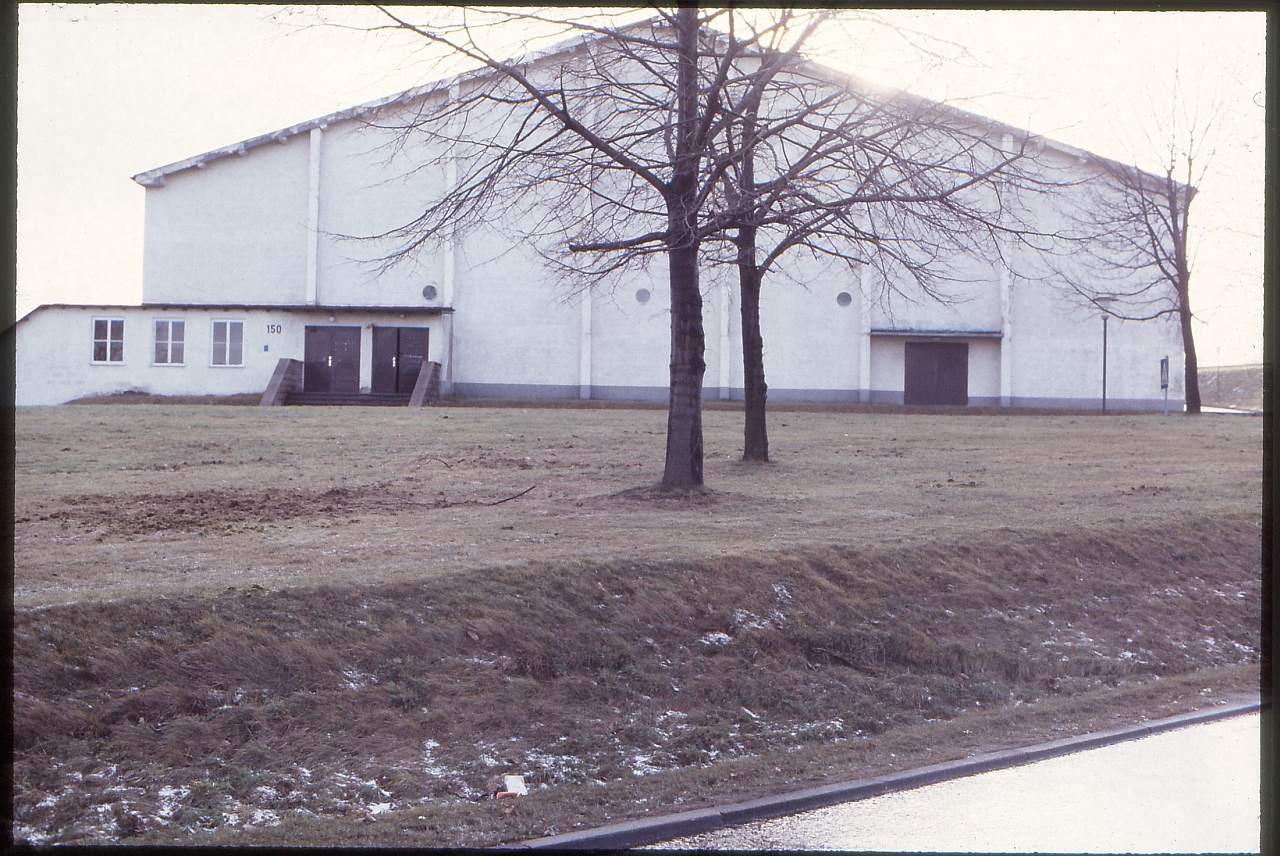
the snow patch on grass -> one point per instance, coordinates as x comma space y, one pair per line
170, 797
356, 679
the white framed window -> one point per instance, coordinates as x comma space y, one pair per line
108, 340
228, 343
170, 342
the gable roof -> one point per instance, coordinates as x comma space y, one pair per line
156, 177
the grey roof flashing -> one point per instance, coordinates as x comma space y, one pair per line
936, 334
247, 307
155, 177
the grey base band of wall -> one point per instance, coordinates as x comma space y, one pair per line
653, 830
1175, 405
531, 391
538, 391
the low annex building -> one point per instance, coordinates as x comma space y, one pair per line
248, 277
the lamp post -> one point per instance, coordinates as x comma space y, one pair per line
1104, 362
1104, 303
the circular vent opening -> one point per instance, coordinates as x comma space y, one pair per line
844, 298
642, 296
429, 292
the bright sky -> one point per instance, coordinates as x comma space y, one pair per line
105, 92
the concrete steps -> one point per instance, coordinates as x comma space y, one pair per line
345, 399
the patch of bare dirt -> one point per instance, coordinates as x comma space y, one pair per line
204, 510
141, 514
134, 397
693, 497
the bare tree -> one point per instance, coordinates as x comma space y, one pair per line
622, 127
1140, 255
647, 141
887, 181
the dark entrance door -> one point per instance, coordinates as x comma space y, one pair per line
936, 373
398, 354
331, 359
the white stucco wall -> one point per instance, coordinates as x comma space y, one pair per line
371, 182
512, 325
887, 365
1056, 350
233, 232
55, 349
810, 341
631, 341
240, 231
968, 299
984, 371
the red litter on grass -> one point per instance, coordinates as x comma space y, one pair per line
514, 787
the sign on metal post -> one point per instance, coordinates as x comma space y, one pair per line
1164, 382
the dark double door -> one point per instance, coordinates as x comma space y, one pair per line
398, 355
331, 359
936, 373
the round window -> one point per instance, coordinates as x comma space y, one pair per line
642, 296
844, 298
429, 292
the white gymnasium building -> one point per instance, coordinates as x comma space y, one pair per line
246, 279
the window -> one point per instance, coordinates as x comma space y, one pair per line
108, 340
170, 339
228, 343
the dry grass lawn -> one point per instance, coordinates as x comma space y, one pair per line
137, 501
341, 625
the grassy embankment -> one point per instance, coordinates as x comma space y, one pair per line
328, 627
1231, 386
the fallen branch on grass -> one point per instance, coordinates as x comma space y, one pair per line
444, 503
508, 499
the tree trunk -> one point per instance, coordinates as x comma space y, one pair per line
688, 365
1192, 378
683, 468
755, 440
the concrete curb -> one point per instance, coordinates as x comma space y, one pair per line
652, 830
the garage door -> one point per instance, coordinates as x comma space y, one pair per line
936, 373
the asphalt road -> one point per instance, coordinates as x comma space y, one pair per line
1189, 790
